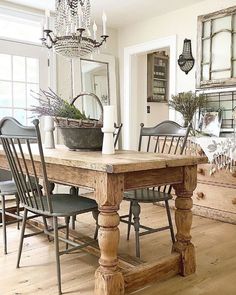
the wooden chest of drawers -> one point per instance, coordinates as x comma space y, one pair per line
215, 195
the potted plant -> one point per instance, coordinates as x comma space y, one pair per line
187, 103
78, 130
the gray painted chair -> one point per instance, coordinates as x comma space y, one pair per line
8, 188
167, 137
20, 158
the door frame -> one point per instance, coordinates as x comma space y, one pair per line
130, 121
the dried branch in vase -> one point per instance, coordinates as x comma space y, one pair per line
187, 103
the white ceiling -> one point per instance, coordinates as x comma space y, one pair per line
120, 12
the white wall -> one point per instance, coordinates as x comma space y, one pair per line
183, 23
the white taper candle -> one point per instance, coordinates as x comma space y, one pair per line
47, 18
95, 30
108, 117
104, 23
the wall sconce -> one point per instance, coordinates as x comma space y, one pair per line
186, 60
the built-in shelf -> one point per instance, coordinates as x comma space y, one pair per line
157, 77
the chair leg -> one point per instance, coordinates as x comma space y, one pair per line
4, 225
21, 237
17, 210
95, 216
74, 192
46, 227
56, 242
136, 213
129, 220
67, 220
170, 221
73, 219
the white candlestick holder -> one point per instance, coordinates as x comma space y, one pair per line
49, 142
108, 141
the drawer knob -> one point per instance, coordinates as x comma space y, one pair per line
201, 171
200, 196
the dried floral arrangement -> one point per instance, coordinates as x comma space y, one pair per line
50, 104
187, 103
65, 114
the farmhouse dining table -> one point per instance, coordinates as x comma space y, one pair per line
109, 176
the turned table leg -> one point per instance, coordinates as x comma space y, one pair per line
108, 280
109, 193
183, 220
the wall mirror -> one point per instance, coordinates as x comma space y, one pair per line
95, 79
97, 75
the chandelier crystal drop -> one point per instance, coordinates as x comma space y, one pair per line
72, 36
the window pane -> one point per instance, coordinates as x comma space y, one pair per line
227, 105
5, 112
214, 105
32, 70
19, 68
221, 55
220, 75
234, 22
19, 28
5, 94
225, 96
31, 101
20, 115
234, 68
206, 51
5, 68
221, 24
228, 114
30, 117
234, 44
19, 95
205, 72
206, 29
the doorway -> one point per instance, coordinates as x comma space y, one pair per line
135, 111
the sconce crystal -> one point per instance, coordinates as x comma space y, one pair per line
186, 60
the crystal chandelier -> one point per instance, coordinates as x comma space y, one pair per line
72, 36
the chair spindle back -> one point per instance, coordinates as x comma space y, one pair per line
18, 143
168, 137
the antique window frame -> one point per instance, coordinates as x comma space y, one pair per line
231, 11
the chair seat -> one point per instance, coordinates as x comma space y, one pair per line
67, 205
146, 196
8, 187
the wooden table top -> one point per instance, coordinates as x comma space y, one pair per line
120, 162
